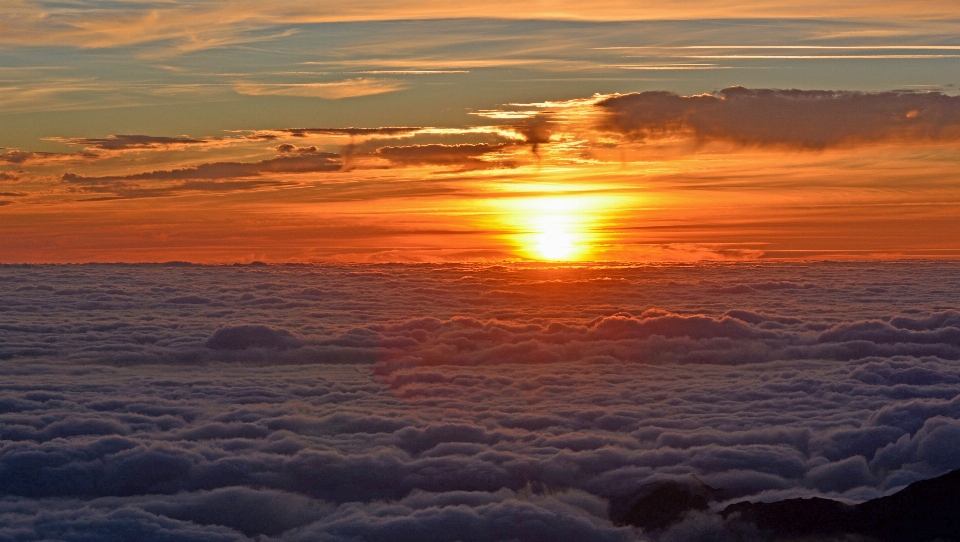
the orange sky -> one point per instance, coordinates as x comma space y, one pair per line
712, 202
226, 133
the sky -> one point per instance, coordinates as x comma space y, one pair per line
221, 132
477, 272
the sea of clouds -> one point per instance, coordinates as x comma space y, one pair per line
461, 402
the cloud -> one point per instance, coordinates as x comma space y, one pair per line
467, 156
536, 130
461, 401
806, 119
188, 300
24, 157
252, 512
470, 517
649, 336
217, 24
305, 163
291, 159
18, 157
287, 147
655, 336
250, 336
336, 90
127, 142
389, 131
31, 521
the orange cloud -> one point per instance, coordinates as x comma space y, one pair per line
337, 90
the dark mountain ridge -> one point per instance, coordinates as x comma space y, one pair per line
924, 511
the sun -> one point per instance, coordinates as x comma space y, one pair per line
557, 227
555, 244
554, 228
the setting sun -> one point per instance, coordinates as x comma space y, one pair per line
556, 226
555, 245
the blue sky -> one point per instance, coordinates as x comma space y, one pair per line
436, 72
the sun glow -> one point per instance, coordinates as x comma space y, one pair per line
560, 221
553, 228
555, 245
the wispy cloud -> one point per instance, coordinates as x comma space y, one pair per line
199, 25
412, 72
32, 158
671, 67
498, 114
823, 57
385, 131
45, 94
311, 162
336, 90
127, 142
905, 47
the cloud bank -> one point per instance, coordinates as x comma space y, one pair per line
476, 320
804, 119
461, 402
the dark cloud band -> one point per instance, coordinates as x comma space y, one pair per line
809, 119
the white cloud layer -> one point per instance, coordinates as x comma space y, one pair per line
459, 402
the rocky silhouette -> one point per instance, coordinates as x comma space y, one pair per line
924, 511
661, 504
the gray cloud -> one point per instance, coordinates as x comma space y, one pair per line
39, 158
19, 157
286, 147
250, 336
382, 131
466, 156
235, 176
536, 130
127, 142
306, 163
809, 119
